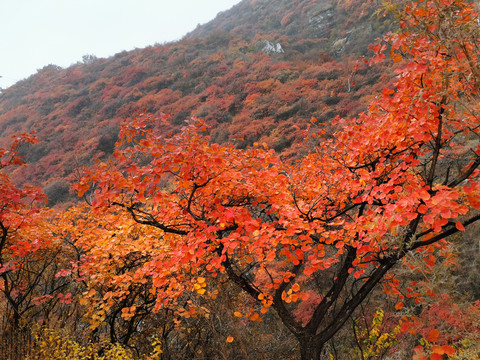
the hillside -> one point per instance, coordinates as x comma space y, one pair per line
256, 73
337, 27
219, 220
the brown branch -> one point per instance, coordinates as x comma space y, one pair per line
438, 145
171, 229
332, 296
465, 175
452, 230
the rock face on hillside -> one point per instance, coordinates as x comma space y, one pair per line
272, 48
256, 73
348, 21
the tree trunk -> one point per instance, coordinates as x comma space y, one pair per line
310, 350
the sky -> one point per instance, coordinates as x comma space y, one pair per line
36, 33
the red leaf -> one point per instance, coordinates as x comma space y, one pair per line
339, 244
460, 226
422, 209
387, 92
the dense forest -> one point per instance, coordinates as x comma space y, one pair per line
293, 180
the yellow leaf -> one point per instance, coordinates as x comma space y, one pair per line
201, 291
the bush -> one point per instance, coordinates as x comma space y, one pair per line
53, 345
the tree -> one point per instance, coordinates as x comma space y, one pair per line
397, 180
17, 219
30, 258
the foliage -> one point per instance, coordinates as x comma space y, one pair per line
20, 239
399, 178
51, 344
177, 229
373, 341
239, 90
30, 257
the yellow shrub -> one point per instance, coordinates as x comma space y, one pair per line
52, 345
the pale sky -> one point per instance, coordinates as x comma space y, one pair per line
35, 33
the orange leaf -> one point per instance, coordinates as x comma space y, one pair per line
255, 317
397, 58
447, 349
433, 335
419, 354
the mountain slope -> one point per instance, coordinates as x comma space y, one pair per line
257, 73
346, 26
